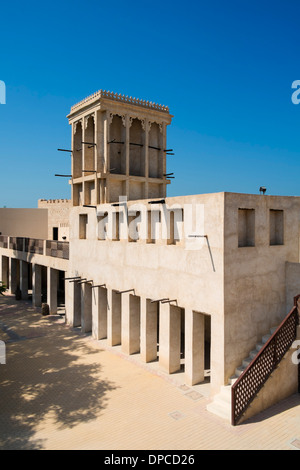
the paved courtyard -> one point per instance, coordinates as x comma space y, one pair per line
63, 390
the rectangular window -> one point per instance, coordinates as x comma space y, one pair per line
276, 227
149, 228
116, 226
83, 219
54, 233
154, 225
246, 227
174, 226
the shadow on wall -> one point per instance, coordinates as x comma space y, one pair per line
57, 377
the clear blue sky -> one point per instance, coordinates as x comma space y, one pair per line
225, 70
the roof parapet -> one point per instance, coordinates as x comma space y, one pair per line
121, 98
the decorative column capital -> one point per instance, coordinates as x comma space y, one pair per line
86, 119
76, 124
110, 117
161, 125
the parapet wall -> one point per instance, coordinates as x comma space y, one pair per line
45, 202
58, 216
30, 223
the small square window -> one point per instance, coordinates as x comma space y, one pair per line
246, 227
276, 227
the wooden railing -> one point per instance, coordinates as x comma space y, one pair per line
253, 378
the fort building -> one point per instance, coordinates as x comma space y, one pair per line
204, 284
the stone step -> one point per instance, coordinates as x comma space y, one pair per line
225, 393
265, 338
253, 353
221, 405
246, 361
239, 370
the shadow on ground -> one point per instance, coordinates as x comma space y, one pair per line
283, 406
51, 374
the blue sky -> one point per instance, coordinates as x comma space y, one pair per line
225, 69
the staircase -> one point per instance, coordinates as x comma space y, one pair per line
221, 404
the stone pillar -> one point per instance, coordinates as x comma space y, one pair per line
83, 173
77, 147
24, 279
73, 303
127, 143
52, 284
100, 141
36, 285
99, 155
106, 163
169, 338
1, 268
194, 347
86, 307
106, 131
113, 318
13, 275
99, 313
130, 323
76, 303
149, 325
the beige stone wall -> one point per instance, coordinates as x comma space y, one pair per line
255, 276
58, 216
292, 283
243, 289
32, 223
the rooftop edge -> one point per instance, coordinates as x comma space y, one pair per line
121, 98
